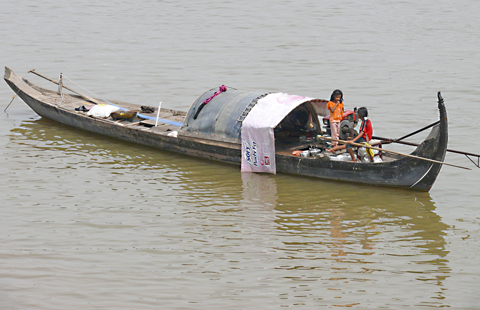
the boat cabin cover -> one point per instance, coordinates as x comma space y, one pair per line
259, 121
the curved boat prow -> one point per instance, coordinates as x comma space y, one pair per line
434, 147
7, 73
16, 82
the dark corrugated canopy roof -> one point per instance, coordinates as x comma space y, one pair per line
222, 116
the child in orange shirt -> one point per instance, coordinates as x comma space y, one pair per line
335, 106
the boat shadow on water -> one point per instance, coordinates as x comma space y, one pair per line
45, 134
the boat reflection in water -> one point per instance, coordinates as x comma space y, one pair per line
352, 239
335, 243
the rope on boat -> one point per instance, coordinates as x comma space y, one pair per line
166, 121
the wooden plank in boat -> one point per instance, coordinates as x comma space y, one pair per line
151, 123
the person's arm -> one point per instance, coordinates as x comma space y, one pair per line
360, 134
333, 109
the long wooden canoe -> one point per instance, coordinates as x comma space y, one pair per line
213, 131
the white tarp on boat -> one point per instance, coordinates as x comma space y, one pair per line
258, 141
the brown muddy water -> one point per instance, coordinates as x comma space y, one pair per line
92, 223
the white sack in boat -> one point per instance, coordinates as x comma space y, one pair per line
102, 110
341, 157
173, 134
376, 159
362, 152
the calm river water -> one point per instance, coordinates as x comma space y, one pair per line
92, 223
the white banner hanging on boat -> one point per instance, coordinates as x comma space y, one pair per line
258, 141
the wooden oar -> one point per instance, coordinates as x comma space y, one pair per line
73, 91
467, 154
388, 140
417, 131
393, 152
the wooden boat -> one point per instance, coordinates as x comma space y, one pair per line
212, 129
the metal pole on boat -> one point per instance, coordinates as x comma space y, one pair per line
60, 86
158, 113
